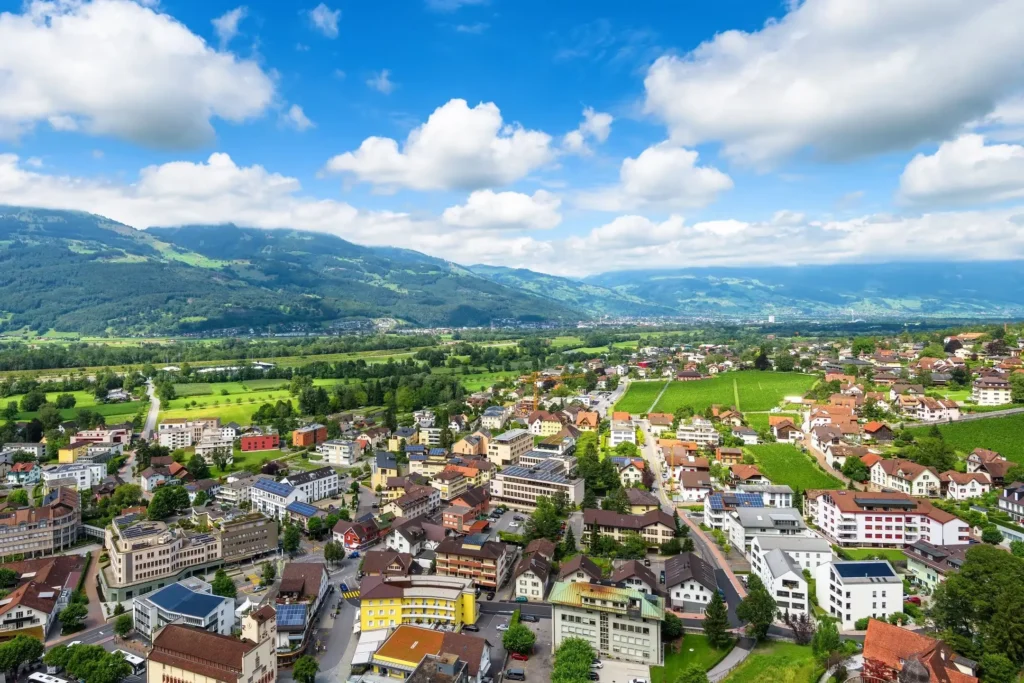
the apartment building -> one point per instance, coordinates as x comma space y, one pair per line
36, 531
991, 391
474, 557
543, 423
494, 417
188, 653
700, 431
718, 505
742, 525
929, 564
450, 484
1012, 501
851, 591
259, 440
243, 535
884, 519
72, 452
505, 449
807, 551
182, 432
390, 601
417, 500
773, 495
907, 477
385, 466
315, 484
190, 602
429, 463
785, 581
655, 527
310, 435
214, 443
622, 431
619, 623
340, 452
85, 474
520, 487
272, 497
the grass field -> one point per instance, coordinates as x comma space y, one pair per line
639, 397
83, 399
759, 421
778, 662
242, 414
695, 650
891, 554
785, 464
746, 389
1002, 434
478, 381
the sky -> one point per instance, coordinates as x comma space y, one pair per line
571, 138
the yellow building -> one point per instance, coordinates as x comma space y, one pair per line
404, 649
390, 601
385, 465
451, 484
73, 451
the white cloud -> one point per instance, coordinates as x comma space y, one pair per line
596, 126
488, 210
844, 79
381, 82
296, 118
452, 5
458, 148
476, 29
663, 176
34, 162
339, 74
325, 20
226, 25
114, 67
965, 170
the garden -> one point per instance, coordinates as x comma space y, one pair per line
695, 649
778, 662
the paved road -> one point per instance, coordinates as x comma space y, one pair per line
154, 410
967, 417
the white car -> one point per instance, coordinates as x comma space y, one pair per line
502, 627
596, 664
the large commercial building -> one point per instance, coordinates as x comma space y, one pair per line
619, 623
390, 601
85, 474
851, 591
519, 486
190, 602
272, 497
315, 484
884, 519
505, 449
36, 531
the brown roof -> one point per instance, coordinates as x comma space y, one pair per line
636, 568
661, 418
469, 649
410, 644
640, 497
676, 459
536, 563
264, 614
621, 415
905, 469
542, 546
49, 571
31, 594
634, 522
695, 480
580, 563
892, 646
374, 587
303, 578
491, 550
745, 472
201, 652
963, 478
378, 561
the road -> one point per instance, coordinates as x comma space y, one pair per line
154, 411
968, 417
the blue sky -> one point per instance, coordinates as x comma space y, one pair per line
567, 137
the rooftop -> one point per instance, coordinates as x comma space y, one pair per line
607, 598
180, 600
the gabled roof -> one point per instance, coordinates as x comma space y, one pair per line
580, 563
893, 646
536, 563
636, 569
541, 546
378, 561
640, 497
686, 566
303, 578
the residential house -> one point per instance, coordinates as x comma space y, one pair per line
718, 505
24, 474
746, 474
660, 422
879, 432
450, 484
991, 391
883, 519
991, 463
543, 423
689, 582
853, 590
417, 500
408, 435
622, 431
505, 449
641, 501
414, 535
271, 497
929, 564
907, 477
633, 471
964, 485
837, 455
772, 495
633, 574
655, 527
579, 568
494, 417
385, 466
806, 551
473, 445
340, 452
693, 487
485, 562
743, 524
389, 601
530, 577
729, 456
386, 563
892, 653
1012, 501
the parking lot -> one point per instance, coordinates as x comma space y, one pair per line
622, 672
538, 667
505, 522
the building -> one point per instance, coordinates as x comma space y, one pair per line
24, 474
880, 520
473, 445
689, 582
272, 497
700, 431
175, 438
301, 593
806, 551
543, 423
387, 563
619, 623
991, 391
72, 452
520, 486
655, 527
743, 524
641, 501
27, 609
964, 485
186, 653
263, 440
86, 475
929, 564
414, 535
416, 501
190, 602
633, 471
213, 443
315, 484
175, 433
907, 477
890, 650
310, 435
784, 580
505, 449
530, 577
37, 450
406, 651
385, 466
357, 535
450, 484
406, 435
579, 568
773, 495
494, 417
36, 531
243, 535
854, 590
991, 463
430, 436
474, 557
391, 601
237, 489
729, 456
340, 452
718, 505
1012, 501
622, 431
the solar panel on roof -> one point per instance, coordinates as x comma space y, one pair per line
889, 502
304, 509
275, 487
864, 570
291, 615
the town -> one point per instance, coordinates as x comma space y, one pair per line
617, 507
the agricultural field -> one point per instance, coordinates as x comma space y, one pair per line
785, 464
478, 380
1001, 434
640, 396
778, 662
83, 399
759, 421
747, 390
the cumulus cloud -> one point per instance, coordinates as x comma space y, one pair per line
451, 5
325, 20
662, 176
458, 148
843, 79
381, 82
226, 25
490, 210
296, 118
596, 126
965, 170
114, 67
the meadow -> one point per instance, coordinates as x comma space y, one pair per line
785, 464
478, 380
83, 399
239, 402
759, 421
695, 649
639, 397
778, 662
1002, 434
745, 389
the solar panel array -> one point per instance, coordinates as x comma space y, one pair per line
719, 501
139, 530
304, 509
275, 487
864, 570
291, 615
885, 502
534, 474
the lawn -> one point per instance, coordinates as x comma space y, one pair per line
778, 662
566, 342
1001, 434
891, 554
746, 389
759, 421
639, 397
675, 662
785, 464
83, 399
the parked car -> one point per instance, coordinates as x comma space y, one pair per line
471, 628
490, 595
515, 675
518, 518
344, 587
529, 619
521, 658
355, 554
914, 600
647, 562
502, 627
592, 675
596, 664
521, 598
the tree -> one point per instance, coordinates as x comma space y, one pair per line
589, 499
855, 469
671, 627
997, 668
118, 609
17, 651
305, 669
11, 411
65, 401
198, 468
616, 500
8, 578
991, 534
757, 609
315, 527
49, 416
123, 625
572, 661
544, 522
634, 547
333, 552
57, 656
569, 543
716, 622
1017, 547
826, 639
761, 362
223, 585
292, 539
268, 574
72, 617
694, 673
785, 362
18, 497
200, 499
1017, 387
519, 639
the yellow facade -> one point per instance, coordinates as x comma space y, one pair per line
381, 476
550, 427
392, 612
72, 453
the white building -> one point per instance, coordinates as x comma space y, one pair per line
907, 477
807, 551
851, 591
340, 452
494, 417
622, 431
530, 578
689, 582
700, 431
315, 484
213, 443
784, 579
882, 520
85, 474
964, 486
272, 497
991, 391
190, 602
773, 495
430, 436
743, 524
174, 438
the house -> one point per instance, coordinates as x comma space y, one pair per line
837, 455
746, 474
929, 564
579, 568
543, 423
633, 471
879, 432
340, 452
698, 430
745, 434
472, 445
890, 652
1012, 501
208, 487
410, 648
937, 409
718, 505
641, 501
689, 582
385, 466
905, 476
886, 519
530, 577
409, 435
784, 580
622, 431
772, 495
964, 485
633, 574
990, 391
272, 497
587, 421
494, 417
853, 590
389, 601
806, 551
824, 436
386, 563
655, 527
24, 474
743, 524
486, 562
85, 474
416, 501
303, 589
414, 535
784, 430
660, 422
693, 487
729, 456
991, 463
449, 484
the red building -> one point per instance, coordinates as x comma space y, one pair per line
260, 442
310, 435
357, 535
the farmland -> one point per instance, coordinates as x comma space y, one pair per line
83, 399
785, 464
230, 401
639, 397
747, 390
1001, 434
478, 381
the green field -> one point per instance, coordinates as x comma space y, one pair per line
891, 554
695, 650
1001, 434
83, 399
639, 397
785, 464
242, 414
759, 421
778, 662
746, 389
477, 381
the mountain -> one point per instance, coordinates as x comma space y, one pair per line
579, 295
975, 289
74, 271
